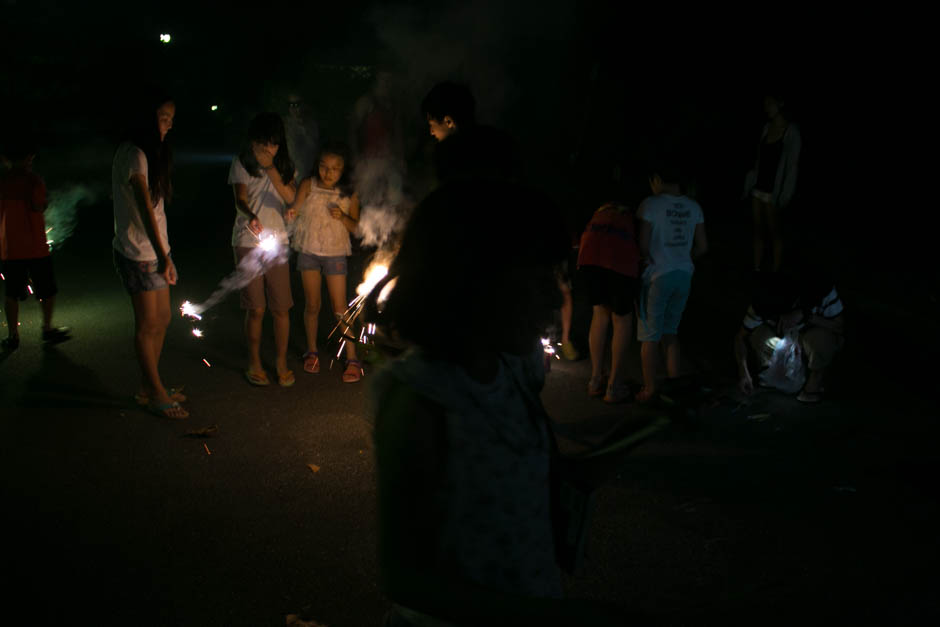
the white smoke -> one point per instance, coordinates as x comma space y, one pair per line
61, 215
253, 265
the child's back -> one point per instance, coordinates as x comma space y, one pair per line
22, 227
672, 219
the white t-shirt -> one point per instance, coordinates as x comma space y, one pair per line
130, 234
264, 202
673, 220
316, 232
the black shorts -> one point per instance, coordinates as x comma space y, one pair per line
611, 289
23, 277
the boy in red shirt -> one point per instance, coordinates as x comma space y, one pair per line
24, 253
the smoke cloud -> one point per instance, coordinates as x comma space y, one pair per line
61, 215
253, 265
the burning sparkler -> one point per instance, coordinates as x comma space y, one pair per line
197, 332
189, 310
548, 349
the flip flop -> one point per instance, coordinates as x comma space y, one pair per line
161, 409
257, 378
353, 372
286, 380
311, 362
175, 394
617, 393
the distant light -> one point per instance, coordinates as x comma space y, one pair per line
214, 108
165, 38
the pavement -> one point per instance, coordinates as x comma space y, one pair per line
769, 513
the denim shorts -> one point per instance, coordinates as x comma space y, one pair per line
661, 304
325, 265
138, 276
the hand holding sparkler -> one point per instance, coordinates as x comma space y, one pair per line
335, 211
254, 225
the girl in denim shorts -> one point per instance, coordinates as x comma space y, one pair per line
325, 212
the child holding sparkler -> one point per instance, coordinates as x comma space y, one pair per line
24, 251
325, 212
463, 447
141, 188
262, 178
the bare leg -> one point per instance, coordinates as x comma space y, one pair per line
13, 316
597, 338
623, 333
566, 309
671, 345
151, 317
281, 336
47, 304
649, 354
253, 322
336, 286
312, 283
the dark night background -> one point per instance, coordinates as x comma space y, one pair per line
119, 528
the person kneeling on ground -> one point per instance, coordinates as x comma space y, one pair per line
780, 304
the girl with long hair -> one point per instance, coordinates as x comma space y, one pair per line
141, 188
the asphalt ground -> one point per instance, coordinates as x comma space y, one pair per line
770, 513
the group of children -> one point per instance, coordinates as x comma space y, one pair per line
314, 218
643, 263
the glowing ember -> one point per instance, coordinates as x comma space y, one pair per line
30, 288
375, 273
269, 243
547, 347
206, 362
214, 108
2, 278
165, 38
189, 310
197, 332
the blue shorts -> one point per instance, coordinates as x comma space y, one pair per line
138, 276
326, 265
662, 302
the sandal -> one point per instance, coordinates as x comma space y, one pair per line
645, 395
810, 398
311, 362
257, 378
168, 410
353, 372
286, 380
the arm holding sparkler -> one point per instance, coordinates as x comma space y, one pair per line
303, 190
145, 204
242, 205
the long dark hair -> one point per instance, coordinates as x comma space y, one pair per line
145, 134
268, 128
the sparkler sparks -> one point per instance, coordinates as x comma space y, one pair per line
269, 243
206, 362
165, 38
187, 309
197, 332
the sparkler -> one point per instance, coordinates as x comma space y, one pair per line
197, 332
548, 349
